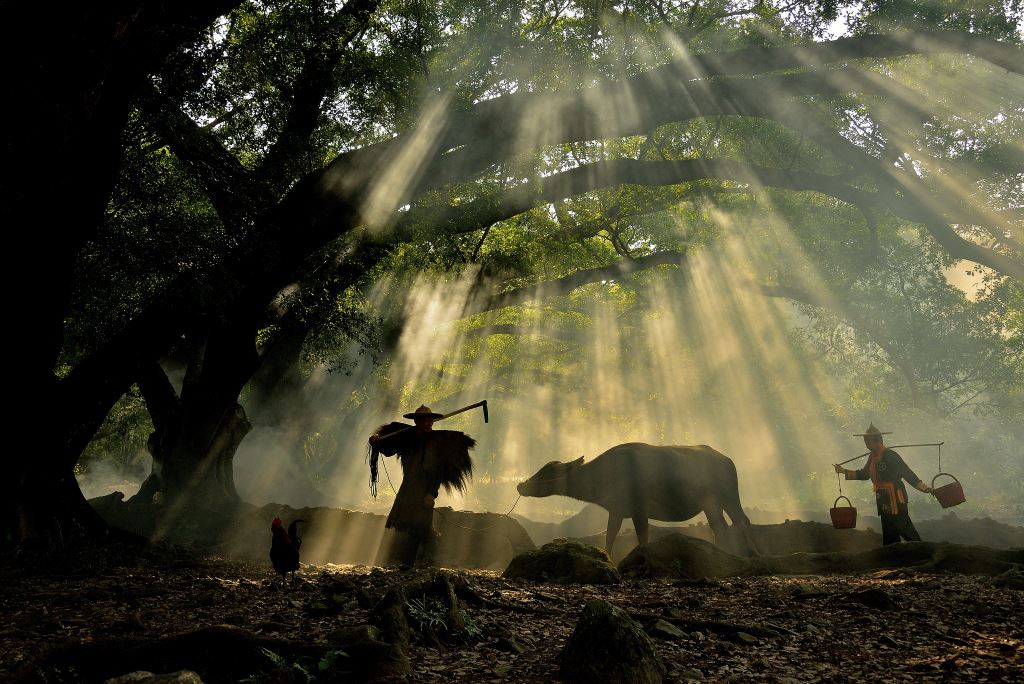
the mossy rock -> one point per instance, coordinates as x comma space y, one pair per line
608, 646
564, 561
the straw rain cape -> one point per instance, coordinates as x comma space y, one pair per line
444, 455
431, 460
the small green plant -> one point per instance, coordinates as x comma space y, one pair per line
429, 614
330, 660
275, 658
470, 630
279, 662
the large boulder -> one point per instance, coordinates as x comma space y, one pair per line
680, 556
608, 646
478, 540
564, 561
798, 536
627, 539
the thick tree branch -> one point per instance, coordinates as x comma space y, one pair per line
610, 173
315, 83
687, 88
605, 174
234, 192
549, 288
964, 249
632, 106
521, 330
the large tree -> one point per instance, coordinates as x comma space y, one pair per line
458, 162
61, 158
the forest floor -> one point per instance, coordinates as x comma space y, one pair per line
918, 627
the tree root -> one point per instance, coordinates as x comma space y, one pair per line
448, 590
716, 626
685, 557
216, 653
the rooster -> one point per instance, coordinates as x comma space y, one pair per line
284, 547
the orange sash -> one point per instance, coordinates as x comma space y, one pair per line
888, 486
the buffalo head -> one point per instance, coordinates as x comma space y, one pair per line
553, 478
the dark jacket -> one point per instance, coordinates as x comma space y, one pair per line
887, 472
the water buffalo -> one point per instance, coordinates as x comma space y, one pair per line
643, 481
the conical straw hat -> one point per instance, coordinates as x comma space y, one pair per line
872, 431
424, 412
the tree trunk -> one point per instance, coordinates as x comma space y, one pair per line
164, 408
199, 470
193, 449
198, 433
43, 506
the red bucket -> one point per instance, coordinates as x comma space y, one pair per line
844, 518
951, 494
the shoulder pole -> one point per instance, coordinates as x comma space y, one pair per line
894, 446
482, 404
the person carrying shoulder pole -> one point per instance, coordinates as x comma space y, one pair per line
430, 459
886, 470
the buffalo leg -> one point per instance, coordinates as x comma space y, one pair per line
741, 521
717, 522
642, 530
614, 525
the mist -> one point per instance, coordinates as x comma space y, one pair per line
101, 477
686, 354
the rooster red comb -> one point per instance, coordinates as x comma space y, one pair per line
276, 522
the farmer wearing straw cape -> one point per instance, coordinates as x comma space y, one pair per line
886, 470
430, 459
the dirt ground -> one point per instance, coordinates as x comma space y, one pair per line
924, 627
